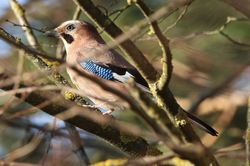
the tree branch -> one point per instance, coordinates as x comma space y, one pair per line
164, 43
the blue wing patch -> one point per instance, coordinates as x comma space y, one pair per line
97, 70
111, 72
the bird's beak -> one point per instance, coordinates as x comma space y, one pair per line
52, 33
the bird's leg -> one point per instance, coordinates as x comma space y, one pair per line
110, 110
94, 106
106, 113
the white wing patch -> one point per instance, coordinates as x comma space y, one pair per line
123, 78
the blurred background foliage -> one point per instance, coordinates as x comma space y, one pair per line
202, 64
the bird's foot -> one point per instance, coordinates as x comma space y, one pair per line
107, 113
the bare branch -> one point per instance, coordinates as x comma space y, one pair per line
39, 30
161, 20
179, 18
77, 144
220, 31
163, 83
119, 11
52, 125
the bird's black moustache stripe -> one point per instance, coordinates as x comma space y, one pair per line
69, 39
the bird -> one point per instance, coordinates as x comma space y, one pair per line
84, 46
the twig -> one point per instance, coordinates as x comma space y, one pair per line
33, 109
220, 31
160, 21
119, 10
195, 34
119, 13
27, 76
106, 11
77, 144
113, 3
39, 30
237, 146
16, 42
52, 126
179, 18
229, 20
25, 149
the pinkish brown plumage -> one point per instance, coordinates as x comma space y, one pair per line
86, 41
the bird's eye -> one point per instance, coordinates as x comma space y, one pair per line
70, 27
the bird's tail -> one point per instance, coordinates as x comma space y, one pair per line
200, 124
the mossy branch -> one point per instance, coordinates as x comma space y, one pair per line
106, 132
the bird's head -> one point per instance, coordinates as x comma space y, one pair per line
75, 32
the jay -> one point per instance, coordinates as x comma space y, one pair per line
82, 42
